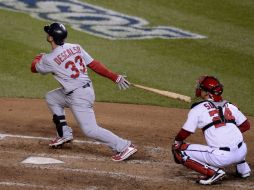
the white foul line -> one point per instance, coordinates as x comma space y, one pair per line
4, 135
152, 150
116, 175
103, 173
17, 184
9, 183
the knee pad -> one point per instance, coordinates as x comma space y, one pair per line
182, 158
59, 122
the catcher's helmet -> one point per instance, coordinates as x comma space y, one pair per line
211, 85
57, 31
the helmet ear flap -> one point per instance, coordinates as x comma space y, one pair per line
198, 92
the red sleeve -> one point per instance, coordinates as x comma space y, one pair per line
102, 70
182, 135
245, 126
34, 62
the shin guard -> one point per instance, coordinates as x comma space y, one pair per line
181, 157
59, 122
199, 167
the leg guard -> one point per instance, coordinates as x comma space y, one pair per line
182, 158
199, 167
59, 122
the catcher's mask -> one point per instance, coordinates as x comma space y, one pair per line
211, 85
57, 31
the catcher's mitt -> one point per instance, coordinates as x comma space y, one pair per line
177, 149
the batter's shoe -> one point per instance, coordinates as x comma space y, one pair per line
59, 141
219, 175
125, 154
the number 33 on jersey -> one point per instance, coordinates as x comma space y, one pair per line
71, 62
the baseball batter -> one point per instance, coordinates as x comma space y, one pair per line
222, 124
68, 63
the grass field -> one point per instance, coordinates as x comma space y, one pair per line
227, 52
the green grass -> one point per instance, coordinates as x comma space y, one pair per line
174, 65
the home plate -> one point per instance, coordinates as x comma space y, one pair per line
41, 160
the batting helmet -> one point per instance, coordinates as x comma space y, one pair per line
57, 31
211, 85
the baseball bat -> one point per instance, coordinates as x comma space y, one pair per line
165, 93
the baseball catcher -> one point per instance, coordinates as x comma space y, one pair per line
222, 124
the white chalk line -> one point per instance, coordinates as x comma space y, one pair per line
4, 135
117, 175
89, 157
18, 184
152, 150
163, 179
157, 149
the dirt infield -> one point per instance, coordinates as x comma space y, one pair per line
26, 127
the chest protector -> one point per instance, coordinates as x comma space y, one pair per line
223, 118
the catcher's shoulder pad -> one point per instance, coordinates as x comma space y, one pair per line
234, 105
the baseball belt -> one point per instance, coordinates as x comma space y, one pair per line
228, 149
84, 86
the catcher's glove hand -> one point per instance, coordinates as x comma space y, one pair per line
122, 83
176, 151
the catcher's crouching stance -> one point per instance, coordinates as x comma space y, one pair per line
222, 124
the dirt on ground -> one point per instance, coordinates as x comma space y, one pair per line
26, 129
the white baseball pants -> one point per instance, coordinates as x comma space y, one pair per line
81, 104
219, 158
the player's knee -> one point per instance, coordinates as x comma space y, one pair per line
184, 146
91, 132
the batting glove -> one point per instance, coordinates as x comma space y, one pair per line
122, 83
